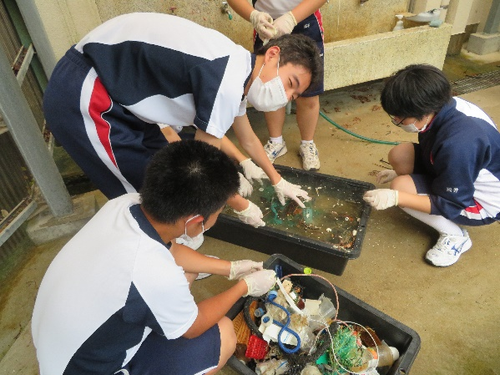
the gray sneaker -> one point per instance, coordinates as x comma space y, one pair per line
275, 150
310, 156
448, 249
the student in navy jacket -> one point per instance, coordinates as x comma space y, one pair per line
451, 177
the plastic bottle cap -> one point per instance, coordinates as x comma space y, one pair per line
308, 271
259, 312
395, 352
272, 295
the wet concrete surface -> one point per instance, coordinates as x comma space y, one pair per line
455, 310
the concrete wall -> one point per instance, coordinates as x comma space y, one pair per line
354, 32
479, 13
64, 22
458, 15
377, 56
54, 26
342, 19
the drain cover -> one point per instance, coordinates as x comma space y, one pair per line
477, 82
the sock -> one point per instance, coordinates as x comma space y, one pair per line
276, 139
306, 142
438, 222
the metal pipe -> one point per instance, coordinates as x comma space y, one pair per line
24, 129
24, 36
493, 20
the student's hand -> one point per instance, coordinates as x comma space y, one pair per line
284, 24
246, 187
381, 199
386, 176
285, 189
263, 24
252, 171
240, 268
252, 215
259, 282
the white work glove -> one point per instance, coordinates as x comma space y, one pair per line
285, 189
246, 187
381, 199
262, 22
252, 215
240, 268
386, 176
284, 24
259, 282
252, 172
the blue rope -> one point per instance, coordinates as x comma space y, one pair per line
284, 327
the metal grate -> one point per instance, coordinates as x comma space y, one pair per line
477, 82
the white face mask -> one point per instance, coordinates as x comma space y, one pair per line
411, 128
269, 96
185, 237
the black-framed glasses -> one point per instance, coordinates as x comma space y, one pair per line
397, 123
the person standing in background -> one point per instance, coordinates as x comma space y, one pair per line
271, 19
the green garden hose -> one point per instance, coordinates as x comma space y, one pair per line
354, 134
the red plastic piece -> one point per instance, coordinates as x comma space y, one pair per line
256, 348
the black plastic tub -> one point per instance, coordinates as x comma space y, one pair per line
350, 308
324, 236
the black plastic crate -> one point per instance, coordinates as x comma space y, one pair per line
306, 248
350, 308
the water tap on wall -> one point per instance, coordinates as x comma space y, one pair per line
225, 9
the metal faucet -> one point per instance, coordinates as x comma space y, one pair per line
225, 9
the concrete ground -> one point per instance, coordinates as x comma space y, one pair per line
455, 310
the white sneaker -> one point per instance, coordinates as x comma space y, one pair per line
310, 156
448, 249
203, 275
275, 150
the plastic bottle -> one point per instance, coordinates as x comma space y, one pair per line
326, 308
387, 355
399, 24
370, 360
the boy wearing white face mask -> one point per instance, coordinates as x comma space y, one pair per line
452, 176
117, 298
271, 19
138, 70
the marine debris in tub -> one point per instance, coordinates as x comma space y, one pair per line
332, 216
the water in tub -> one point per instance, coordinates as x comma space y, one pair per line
332, 216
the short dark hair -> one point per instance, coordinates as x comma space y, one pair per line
300, 50
187, 178
416, 91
